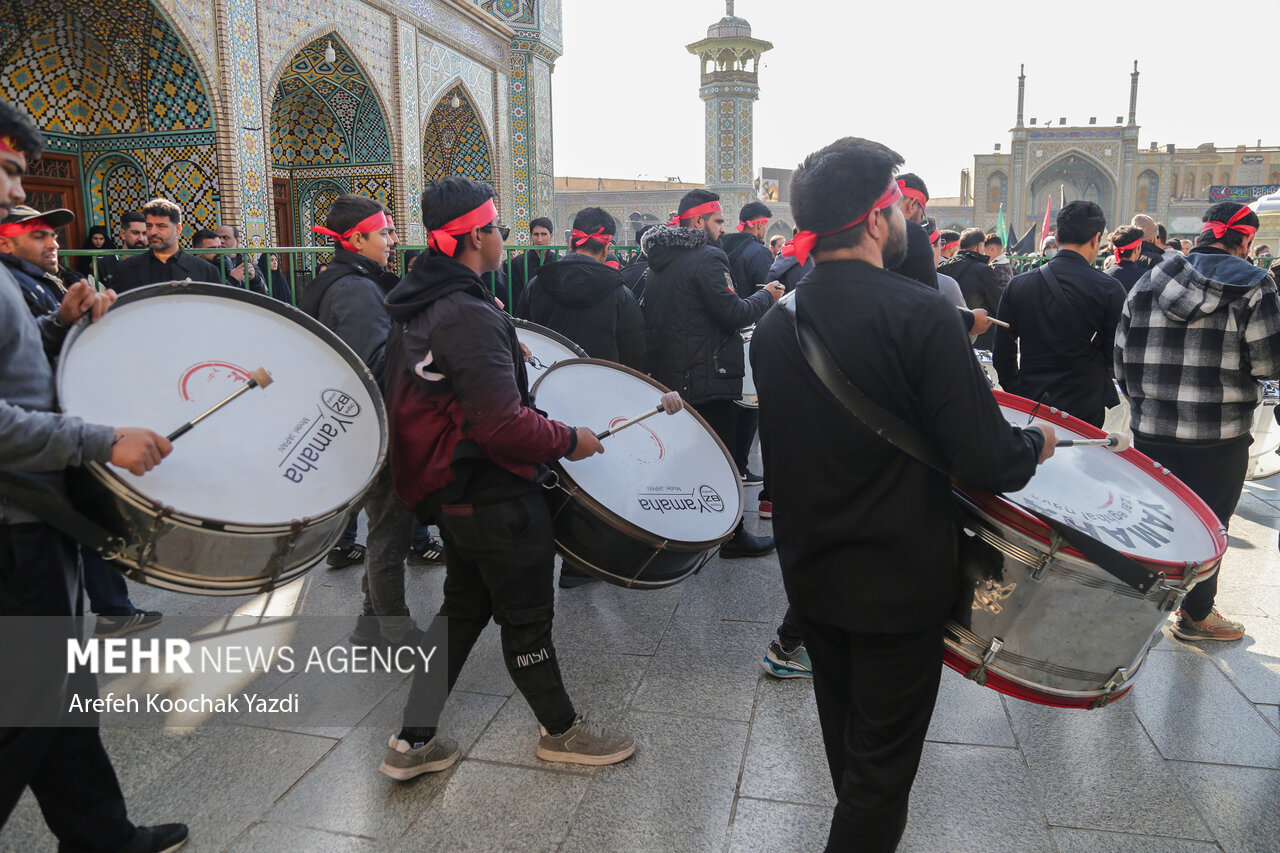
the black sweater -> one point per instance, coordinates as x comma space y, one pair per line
865, 533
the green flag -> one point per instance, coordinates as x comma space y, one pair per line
1000, 228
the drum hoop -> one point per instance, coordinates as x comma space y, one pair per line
121, 488
1019, 518
607, 515
550, 333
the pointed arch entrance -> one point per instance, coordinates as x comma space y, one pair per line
124, 107
454, 142
328, 136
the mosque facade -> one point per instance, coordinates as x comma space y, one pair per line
257, 113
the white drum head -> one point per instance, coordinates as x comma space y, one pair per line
548, 348
1116, 500
667, 475
301, 447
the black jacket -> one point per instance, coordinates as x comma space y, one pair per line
692, 315
251, 281
865, 533
1065, 349
348, 299
141, 270
918, 263
1151, 255
587, 302
980, 285
1128, 273
42, 294
749, 261
633, 272
786, 270
524, 269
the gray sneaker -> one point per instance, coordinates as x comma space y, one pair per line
586, 742
404, 762
117, 626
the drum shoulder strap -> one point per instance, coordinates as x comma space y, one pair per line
59, 514
1055, 288
911, 442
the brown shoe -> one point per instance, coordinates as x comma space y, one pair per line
1212, 627
586, 742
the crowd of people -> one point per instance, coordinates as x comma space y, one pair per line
864, 532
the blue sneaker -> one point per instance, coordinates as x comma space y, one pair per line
782, 664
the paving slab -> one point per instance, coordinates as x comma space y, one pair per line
1240, 804
270, 837
785, 758
1252, 663
601, 617
1088, 767
706, 683
1085, 841
967, 713
761, 826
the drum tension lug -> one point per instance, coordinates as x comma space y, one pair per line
149, 546
1118, 678
1055, 545
979, 673
276, 564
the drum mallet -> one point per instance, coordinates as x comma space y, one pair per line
258, 378
1114, 441
1000, 323
601, 436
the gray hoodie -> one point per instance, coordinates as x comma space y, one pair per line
36, 443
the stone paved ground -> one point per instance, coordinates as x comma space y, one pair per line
728, 759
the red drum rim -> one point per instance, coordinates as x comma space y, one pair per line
549, 333
1000, 684
608, 516
117, 484
1033, 527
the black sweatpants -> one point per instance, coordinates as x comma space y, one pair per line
66, 767
499, 564
875, 695
1215, 472
735, 429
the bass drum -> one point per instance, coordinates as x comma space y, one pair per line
1263, 459
259, 492
1040, 622
546, 347
655, 506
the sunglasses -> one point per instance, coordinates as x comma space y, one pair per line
504, 231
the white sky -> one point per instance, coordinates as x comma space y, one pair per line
626, 91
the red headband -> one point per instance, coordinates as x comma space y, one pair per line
368, 225
913, 194
952, 245
442, 238
700, 210
17, 229
1220, 229
745, 224
933, 238
581, 238
805, 240
1127, 247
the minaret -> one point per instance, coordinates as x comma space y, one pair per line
730, 63
1133, 95
1022, 89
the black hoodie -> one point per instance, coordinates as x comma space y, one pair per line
589, 304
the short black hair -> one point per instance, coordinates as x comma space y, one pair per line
930, 227
448, 198
349, 210
16, 124
912, 181
754, 210
1221, 212
949, 236
838, 184
696, 198
540, 222
1079, 221
589, 219
1162, 232
163, 207
131, 216
641, 231
1175, 243
1124, 235
204, 234
972, 237
994, 239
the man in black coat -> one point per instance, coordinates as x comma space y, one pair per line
1152, 254
979, 283
525, 267
865, 532
1062, 317
918, 262
1126, 243
749, 257
633, 273
692, 314
164, 261
585, 300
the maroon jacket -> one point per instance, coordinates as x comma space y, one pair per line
462, 428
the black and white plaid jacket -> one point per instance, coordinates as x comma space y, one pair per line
1196, 336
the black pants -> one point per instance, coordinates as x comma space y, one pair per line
734, 424
789, 631
875, 695
500, 563
66, 768
1215, 472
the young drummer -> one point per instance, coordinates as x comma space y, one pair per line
466, 448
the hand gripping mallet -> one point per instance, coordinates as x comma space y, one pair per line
601, 436
258, 378
1114, 441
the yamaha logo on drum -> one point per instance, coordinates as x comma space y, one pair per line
341, 403
662, 499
